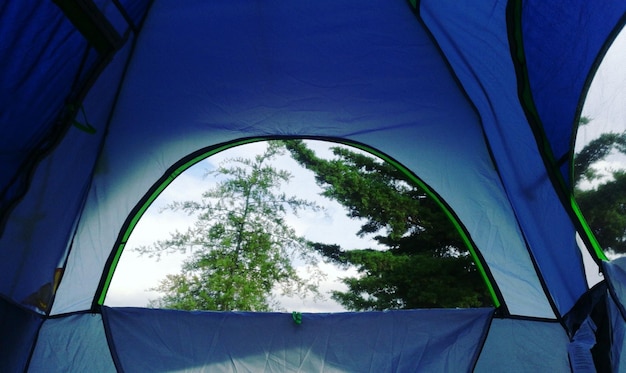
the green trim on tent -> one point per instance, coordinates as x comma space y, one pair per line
195, 159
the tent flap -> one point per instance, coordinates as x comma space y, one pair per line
395, 341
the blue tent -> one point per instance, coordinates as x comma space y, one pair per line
103, 102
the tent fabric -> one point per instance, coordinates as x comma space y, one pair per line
46, 65
394, 341
18, 331
478, 99
75, 343
618, 335
53, 204
524, 346
37, 76
50, 67
328, 89
615, 273
230, 341
533, 197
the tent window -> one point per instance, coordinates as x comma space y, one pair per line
297, 225
600, 153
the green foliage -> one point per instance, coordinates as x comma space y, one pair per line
240, 247
423, 266
583, 121
597, 150
604, 204
392, 280
604, 208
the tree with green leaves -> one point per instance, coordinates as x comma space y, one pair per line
423, 266
604, 203
241, 247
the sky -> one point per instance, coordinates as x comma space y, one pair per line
605, 105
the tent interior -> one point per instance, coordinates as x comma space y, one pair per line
105, 101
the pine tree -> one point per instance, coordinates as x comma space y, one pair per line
241, 247
424, 265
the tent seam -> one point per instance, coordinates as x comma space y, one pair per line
482, 341
110, 342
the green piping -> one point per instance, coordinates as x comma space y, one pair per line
594, 242
468, 242
155, 193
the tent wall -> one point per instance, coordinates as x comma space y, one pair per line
524, 346
41, 56
284, 71
47, 65
74, 343
480, 54
141, 340
479, 99
41, 227
395, 341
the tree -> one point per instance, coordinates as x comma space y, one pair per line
595, 151
424, 265
604, 208
603, 204
240, 246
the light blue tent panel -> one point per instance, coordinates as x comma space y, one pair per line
75, 343
524, 346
